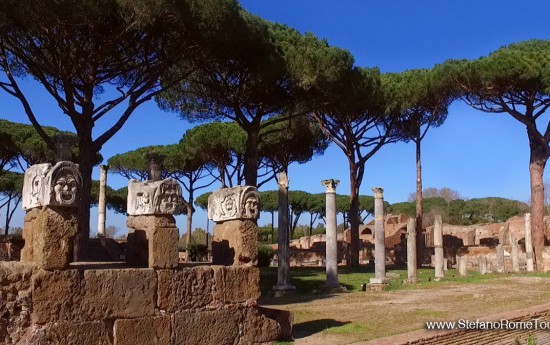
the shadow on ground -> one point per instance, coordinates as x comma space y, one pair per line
305, 329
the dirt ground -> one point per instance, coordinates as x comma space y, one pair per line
350, 318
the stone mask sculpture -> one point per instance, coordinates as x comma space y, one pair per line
45, 185
241, 202
155, 198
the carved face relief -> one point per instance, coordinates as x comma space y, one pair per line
229, 206
65, 189
143, 200
251, 208
36, 188
169, 199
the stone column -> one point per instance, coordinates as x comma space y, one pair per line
411, 250
102, 206
438, 245
379, 239
529, 244
462, 265
482, 264
501, 268
283, 253
331, 256
515, 253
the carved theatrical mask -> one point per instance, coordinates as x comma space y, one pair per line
155, 198
234, 203
65, 184
45, 185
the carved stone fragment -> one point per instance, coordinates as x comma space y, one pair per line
241, 202
45, 185
154, 198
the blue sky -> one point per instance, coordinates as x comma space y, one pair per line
475, 153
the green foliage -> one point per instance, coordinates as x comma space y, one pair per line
265, 254
202, 201
197, 252
464, 212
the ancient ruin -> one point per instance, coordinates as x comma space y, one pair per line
235, 239
331, 265
45, 299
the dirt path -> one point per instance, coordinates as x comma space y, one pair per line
356, 317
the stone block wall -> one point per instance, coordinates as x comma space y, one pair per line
192, 305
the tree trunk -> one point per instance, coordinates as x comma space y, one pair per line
419, 211
251, 157
86, 164
353, 217
189, 223
7, 228
536, 170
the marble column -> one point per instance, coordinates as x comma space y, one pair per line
411, 250
283, 253
515, 253
379, 238
438, 244
331, 258
102, 205
529, 244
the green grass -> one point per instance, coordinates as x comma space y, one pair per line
350, 328
308, 280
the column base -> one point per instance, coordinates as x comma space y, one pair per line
332, 287
282, 290
412, 280
378, 284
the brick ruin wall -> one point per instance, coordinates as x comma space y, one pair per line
192, 305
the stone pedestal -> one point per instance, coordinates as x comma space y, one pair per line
235, 240
411, 250
438, 244
50, 197
49, 234
152, 241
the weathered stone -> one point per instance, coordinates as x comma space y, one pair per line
219, 327
149, 222
154, 198
283, 249
482, 264
127, 293
284, 318
152, 241
51, 232
149, 330
163, 247
45, 185
189, 288
236, 284
529, 258
235, 242
379, 234
462, 265
258, 328
240, 202
15, 301
56, 296
411, 250
78, 333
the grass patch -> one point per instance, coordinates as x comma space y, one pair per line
350, 328
432, 314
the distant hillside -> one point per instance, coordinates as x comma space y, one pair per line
464, 212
